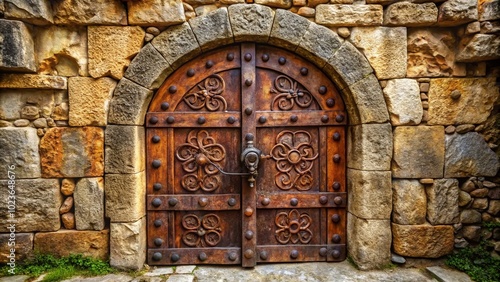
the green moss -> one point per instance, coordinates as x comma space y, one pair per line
477, 262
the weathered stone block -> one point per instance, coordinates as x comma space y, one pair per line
403, 101
128, 244
88, 12
409, 202
31, 81
31, 11
205, 9
370, 194
29, 103
470, 216
251, 22
177, 44
148, 68
124, 149
411, 14
72, 152
482, 47
369, 242
212, 29
424, 241
125, 196
442, 201
129, 103
457, 12
104, 58
89, 99
418, 152
494, 208
275, 3
367, 93
370, 147
67, 187
23, 247
348, 64
349, 15
19, 153
319, 44
89, 204
18, 52
65, 242
288, 29
155, 12
37, 205
385, 49
469, 155
488, 10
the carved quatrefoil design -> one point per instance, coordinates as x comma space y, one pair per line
293, 227
289, 94
209, 95
201, 232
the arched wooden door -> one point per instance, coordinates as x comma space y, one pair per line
203, 120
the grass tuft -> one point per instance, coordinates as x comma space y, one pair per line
477, 262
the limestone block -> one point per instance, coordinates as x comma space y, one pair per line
104, 58
155, 12
65, 242
213, 29
17, 53
72, 152
409, 240
125, 196
89, 12
488, 10
128, 244
89, 204
367, 93
403, 101
251, 22
349, 15
370, 147
37, 12
410, 14
369, 242
370, 194
148, 68
275, 3
409, 202
469, 155
457, 12
473, 105
481, 47
385, 49
31, 81
348, 64
124, 149
288, 29
431, 53
442, 201
37, 205
418, 152
29, 103
62, 50
24, 246
19, 153
470, 216
319, 44
177, 44
129, 103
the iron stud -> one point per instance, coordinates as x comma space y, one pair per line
322, 90
232, 256
265, 57
190, 72
157, 223
230, 57
170, 119
156, 163
264, 255
203, 202
336, 254
156, 202
304, 71
336, 238
248, 57
158, 242
266, 201
248, 82
172, 202
248, 111
325, 119
336, 218
249, 235
157, 186
175, 257
153, 120
155, 139
202, 256
172, 89
248, 254
294, 118
336, 185
164, 106
294, 254
336, 136
330, 102
282, 60
338, 200
336, 158
294, 202
201, 120
231, 202
209, 64
323, 200
262, 119
157, 256
231, 120
339, 118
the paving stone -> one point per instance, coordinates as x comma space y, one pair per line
181, 278
488, 10
106, 278
15, 278
185, 269
17, 52
161, 271
448, 275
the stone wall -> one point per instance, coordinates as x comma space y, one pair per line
76, 78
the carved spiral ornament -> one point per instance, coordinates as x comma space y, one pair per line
196, 154
289, 94
201, 232
209, 95
293, 227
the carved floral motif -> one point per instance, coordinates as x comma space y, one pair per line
201, 232
289, 94
209, 96
293, 227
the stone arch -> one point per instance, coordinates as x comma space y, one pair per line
369, 137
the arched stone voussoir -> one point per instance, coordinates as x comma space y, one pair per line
288, 29
251, 22
129, 104
213, 29
366, 96
319, 44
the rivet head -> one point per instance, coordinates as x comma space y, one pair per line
336, 238
203, 202
190, 72
264, 255
156, 202
330, 102
336, 136
170, 119
265, 57
265, 201
156, 163
248, 82
262, 119
231, 202
153, 120
249, 234
304, 71
202, 256
282, 60
157, 223
248, 254
232, 256
157, 186
336, 185
157, 256
336, 158
325, 118
231, 120
172, 202
155, 139
175, 257
164, 106
248, 211
172, 89
248, 111
335, 218
323, 252
294, 202
294, 118
322, 90
323, 200
336, 254
337, 200
230, 57
249, 137
294, 254
158, 242
455, 94
201, 120
339, 118
248, 57
209, 64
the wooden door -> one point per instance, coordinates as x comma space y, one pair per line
201, 121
